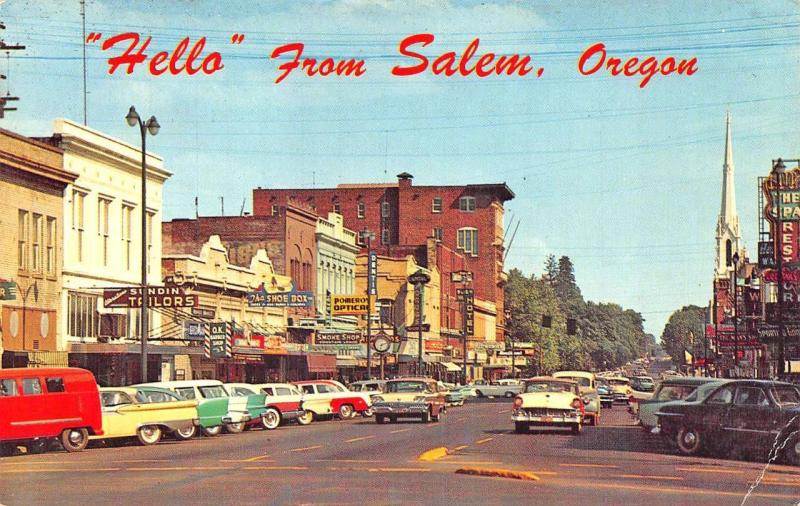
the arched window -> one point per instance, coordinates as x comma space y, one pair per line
728, 253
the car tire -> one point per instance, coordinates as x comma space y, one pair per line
74, 440
393, 419
149, 434
688, 440
212, 431
577, 428
791, 450
426, 416
38, 446
346, 411
508, 395
234, 428
7, 449
367, 413
306, 418
185, 434
271, 419
521, 427
438, 416
379, 419
478, 393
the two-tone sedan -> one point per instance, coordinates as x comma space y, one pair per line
410, 398
547, 401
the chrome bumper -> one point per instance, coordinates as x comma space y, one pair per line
416, 408
567, 418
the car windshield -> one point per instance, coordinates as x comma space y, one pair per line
674, 392
786, 395
213, 392
584, 382
405, 386
547, 386
148, 396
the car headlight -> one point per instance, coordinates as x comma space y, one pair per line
420, 398
377, 398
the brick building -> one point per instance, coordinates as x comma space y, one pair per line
288, 236
466, 220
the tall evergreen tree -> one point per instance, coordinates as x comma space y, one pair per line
550, 270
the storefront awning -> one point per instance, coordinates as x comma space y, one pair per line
451, 367
318, 363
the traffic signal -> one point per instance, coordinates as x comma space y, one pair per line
572, 326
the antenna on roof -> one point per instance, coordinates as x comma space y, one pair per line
196, 211
222, 206
241, 212
7, 98
510, 242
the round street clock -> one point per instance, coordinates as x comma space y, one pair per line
381, 344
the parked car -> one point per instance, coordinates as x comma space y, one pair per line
739, 414
605, 393
410, 398
213, 406
368, 386
283, 401
342, 401
124, 416
670, 390
467, 391
452, 397
548, 401
147, 394
40, 404
501, 388
587, 384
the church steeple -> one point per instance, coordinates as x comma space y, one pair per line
728, 233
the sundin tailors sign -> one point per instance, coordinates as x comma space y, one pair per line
280, 297
157, 296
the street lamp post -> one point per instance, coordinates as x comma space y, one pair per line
419, 279
152, 126
735, 260
511, 338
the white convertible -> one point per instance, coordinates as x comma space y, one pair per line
548, 401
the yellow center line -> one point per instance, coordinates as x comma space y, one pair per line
471, 462
94, 470
182, 468
457, 448
648, 477
276, 468
399, 430
783, 483
504, 411
709, 470
358, 439
258, 457
305, 449
399, 469
484, 440
142, 461
605, 466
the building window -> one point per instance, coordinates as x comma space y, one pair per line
77, 224
436, 206
83, 317
22, 234
385, 209
362, 210
127, 230
50, 266
36, 243
150, 225
437, 234
103, 206
466, 204
468, 240
275, 210
385, 236
337, 208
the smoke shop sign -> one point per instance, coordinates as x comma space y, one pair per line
280, 298
338, 338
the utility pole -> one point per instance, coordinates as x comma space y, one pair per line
7, 98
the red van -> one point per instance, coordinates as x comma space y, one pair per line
37, 405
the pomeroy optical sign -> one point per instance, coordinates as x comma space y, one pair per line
349, 305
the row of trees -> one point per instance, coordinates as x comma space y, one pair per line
684, 331
567, 331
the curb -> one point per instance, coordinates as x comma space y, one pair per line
434, 454
498, 473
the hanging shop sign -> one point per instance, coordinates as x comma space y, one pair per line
372, 273
467, 296
766, 255
349, 305
770, 333
205, 313
280, 297
218, 340
157, 296
337, 338
8, 290
193, 330
789, 275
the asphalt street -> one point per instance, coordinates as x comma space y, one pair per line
359, 462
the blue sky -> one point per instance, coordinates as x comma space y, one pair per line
626, 181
